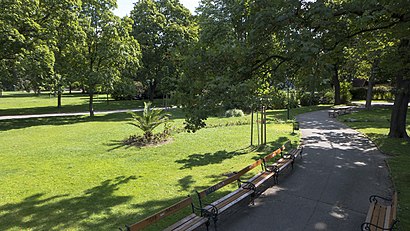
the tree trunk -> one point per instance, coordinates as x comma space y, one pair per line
70, 88
59, 97
369, 95
152, 88
372, 79
336, 84
91, 105
399, 113
402, 95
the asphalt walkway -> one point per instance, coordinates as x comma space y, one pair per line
328, 188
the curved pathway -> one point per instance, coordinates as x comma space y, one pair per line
327, 190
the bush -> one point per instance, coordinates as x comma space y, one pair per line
382, 92
328, 97
127, 89
309, 99
234, 113
359, 93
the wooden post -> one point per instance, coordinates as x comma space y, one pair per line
262, 125
264, 122
257, 126
252, 127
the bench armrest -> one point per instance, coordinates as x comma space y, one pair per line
374, 198
247, 185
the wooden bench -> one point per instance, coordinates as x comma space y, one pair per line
190, 222
206, 213
336, 111
286, 160
381, 214
246, 189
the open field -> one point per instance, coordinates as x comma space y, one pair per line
375, 125
22, 103
74, 172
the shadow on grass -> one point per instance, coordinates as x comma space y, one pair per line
197, 160
66, 120
56, 121
59, 212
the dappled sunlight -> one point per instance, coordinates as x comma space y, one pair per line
358, 163
320, 226
338, 213
65, 210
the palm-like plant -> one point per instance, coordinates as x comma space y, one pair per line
150, 119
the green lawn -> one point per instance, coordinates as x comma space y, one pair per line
375, 125
74, 172
21, 103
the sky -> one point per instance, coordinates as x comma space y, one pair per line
125, 6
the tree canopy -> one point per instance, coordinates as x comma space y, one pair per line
231, 54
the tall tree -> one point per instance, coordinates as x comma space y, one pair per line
108, 46
163, 28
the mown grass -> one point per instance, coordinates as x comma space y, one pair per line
75, 173
375, 124
21, 103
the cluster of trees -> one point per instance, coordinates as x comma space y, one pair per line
246, 47
230, 54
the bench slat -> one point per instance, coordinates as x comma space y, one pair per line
264, 176
387, 220
192, 224
180, 222
382, 215
375, 216
370, 212
226, 202
394, 207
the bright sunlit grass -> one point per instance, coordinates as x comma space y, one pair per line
74, 172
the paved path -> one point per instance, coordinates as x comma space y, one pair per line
329, 187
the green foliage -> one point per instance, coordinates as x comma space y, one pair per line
310, 99
359, 93
164, 29
150, 119
380, 92
345, 95
328, 97
127, 89
234, 113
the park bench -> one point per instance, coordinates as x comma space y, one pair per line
203, 214
336, 111
247, 190
190, 222
286, 160
381, 214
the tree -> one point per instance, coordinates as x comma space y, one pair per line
163, 29
107, 47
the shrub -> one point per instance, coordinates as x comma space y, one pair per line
234, 113
309, 99
359, 93
328, 97
382, 92
149, 120
127, 89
